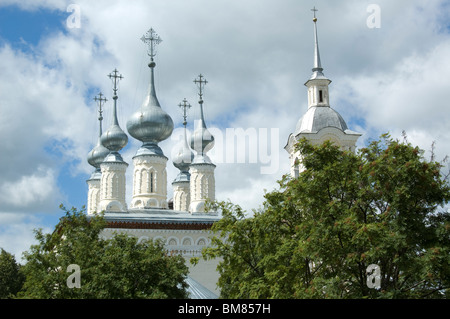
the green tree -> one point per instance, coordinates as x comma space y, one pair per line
11, 279
318, 234
108, 268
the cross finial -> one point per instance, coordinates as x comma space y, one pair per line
201, 82
100, 101
314, 10
151, 39
185, 106
115, 77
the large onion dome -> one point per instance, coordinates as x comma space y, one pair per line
150, 124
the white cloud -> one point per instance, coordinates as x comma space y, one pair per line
413, 97
29, 190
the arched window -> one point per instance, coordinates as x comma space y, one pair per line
152, 189
296, 168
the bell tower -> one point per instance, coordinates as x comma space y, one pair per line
320, 122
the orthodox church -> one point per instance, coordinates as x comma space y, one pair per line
184, 226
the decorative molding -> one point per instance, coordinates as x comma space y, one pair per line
150, 225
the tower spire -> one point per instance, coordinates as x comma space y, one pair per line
317, 68
318, 82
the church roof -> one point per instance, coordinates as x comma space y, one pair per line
198, 291
155, 218
317, 118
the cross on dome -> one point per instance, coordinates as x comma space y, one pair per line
115, 77
185, 106
100, 101
151, 39
314, 10
201, 82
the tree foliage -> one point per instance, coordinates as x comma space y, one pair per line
316, 236
119, 267
11, 279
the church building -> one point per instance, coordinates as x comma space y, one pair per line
184, 226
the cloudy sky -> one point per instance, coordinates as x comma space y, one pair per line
388, 60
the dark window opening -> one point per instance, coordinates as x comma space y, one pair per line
151, 182
320, 96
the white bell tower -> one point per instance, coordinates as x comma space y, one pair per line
320, 122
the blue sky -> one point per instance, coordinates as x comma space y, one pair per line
256, 56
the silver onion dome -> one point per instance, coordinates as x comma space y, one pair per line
114, 139
184, 155
202, 140
182, 160
97, 155
150, 124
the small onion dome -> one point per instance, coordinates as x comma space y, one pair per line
114, 139
184, 157
202, 141
97, 155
